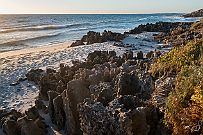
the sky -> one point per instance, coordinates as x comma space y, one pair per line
98, 6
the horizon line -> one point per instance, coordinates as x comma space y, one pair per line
89, 13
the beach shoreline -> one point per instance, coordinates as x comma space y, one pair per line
15, 64
52, 48
113, 81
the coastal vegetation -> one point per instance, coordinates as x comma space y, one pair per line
178, 58
184, 105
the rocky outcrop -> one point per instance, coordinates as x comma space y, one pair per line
116, 86
34, 75
96, 37
123, 116
16, 123
157, 27
77, 43
128, 84
31, 127
181, 34
8, 121
163, 87
198, 13
106, 94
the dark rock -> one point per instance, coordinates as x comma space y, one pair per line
59, 113
150, 55
15, 83
50, 70
157, 27
39, 104
47, 83
100, 57
77, 43
96, 37
127, 84
126, 102
29, 127
128, 55
10, 127
118, 118
9, 122
32, 113
163, 87
34, 75
96, 120
102, 93
92, 37
140, 55
70, 126
41, 124
52, 95
78, 90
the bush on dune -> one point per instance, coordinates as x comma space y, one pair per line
184, 106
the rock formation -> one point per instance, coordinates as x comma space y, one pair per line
198, 13
96, 37
157, 27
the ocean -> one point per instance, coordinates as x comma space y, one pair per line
27, 31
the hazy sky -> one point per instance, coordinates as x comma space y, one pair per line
98, 6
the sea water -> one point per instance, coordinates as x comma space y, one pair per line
26, 31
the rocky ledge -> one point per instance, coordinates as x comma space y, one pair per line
172, 33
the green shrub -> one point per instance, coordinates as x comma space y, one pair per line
177, 58
184, 107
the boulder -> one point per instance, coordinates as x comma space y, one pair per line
78, 90
157, 27
47, 83
77, 43
134, 122
34, 75
70, 125
95, 119
150, 55
32, 113
95, 37
140, 55
39, 104
103, 92
128, 55
163, 87
10, 127
52, 95
127, 84
59, 113
29, 127
8, 122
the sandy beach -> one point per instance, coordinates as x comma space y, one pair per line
15, 64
